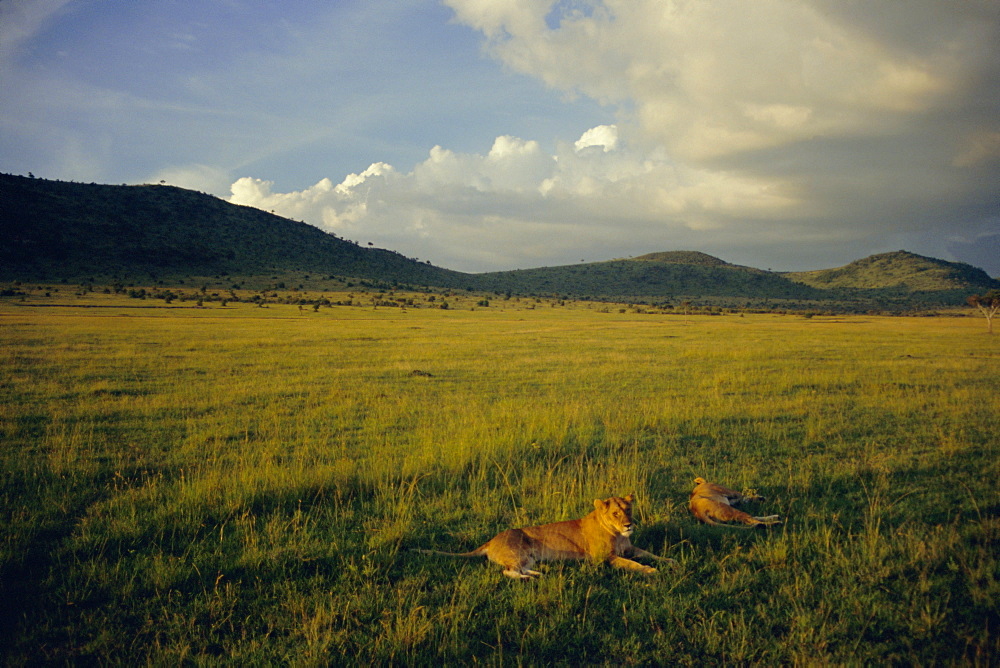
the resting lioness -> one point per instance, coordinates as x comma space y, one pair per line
603, 535
710, 502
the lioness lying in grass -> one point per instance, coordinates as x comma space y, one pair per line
603, 535
710, 502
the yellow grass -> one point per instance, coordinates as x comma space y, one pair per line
243, 482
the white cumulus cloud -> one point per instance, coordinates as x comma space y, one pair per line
761, 131
517, 204
863, 119
603, 136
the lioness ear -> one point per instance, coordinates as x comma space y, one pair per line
600, 505
629, 499
699, 480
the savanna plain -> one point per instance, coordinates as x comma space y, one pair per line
244, 483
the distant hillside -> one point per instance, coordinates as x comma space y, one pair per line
899, 271
669, 275
54, 229
683, 257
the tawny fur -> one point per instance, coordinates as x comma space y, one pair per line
601, 536
713, 504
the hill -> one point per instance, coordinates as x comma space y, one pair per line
55, 229
73, 232
684, 257
899, 271
669, 275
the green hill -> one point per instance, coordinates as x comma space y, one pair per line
899, 271
54, 229
683, 257
73, 232
669, 275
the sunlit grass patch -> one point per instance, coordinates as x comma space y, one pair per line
244, 484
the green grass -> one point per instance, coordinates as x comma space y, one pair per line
242, 484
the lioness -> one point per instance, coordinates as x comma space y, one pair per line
603, 535
710, 502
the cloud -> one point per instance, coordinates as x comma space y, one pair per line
715, 79
868, 123
789, 133
772, 133
603, 136
516, 204
20, 21
979, 148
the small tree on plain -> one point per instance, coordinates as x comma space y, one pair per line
988, 304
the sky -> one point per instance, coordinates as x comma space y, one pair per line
485, 135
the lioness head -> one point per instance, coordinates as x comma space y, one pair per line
616, 514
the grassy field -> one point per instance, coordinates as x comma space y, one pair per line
243, 484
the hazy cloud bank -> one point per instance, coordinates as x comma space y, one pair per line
517, 205
771, 132
875, 123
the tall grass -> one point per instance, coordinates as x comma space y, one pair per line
243, 484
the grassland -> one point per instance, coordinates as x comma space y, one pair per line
241, 484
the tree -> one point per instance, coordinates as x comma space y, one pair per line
988, 304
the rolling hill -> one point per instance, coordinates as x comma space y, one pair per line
662, 276
73, 232
55, 229
900, 271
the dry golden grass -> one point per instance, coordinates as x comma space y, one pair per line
240, 484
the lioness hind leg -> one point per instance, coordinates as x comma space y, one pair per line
512, 550
723, 513
519, 574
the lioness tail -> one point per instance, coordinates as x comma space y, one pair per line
478, 552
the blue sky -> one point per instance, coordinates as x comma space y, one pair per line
497, 134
